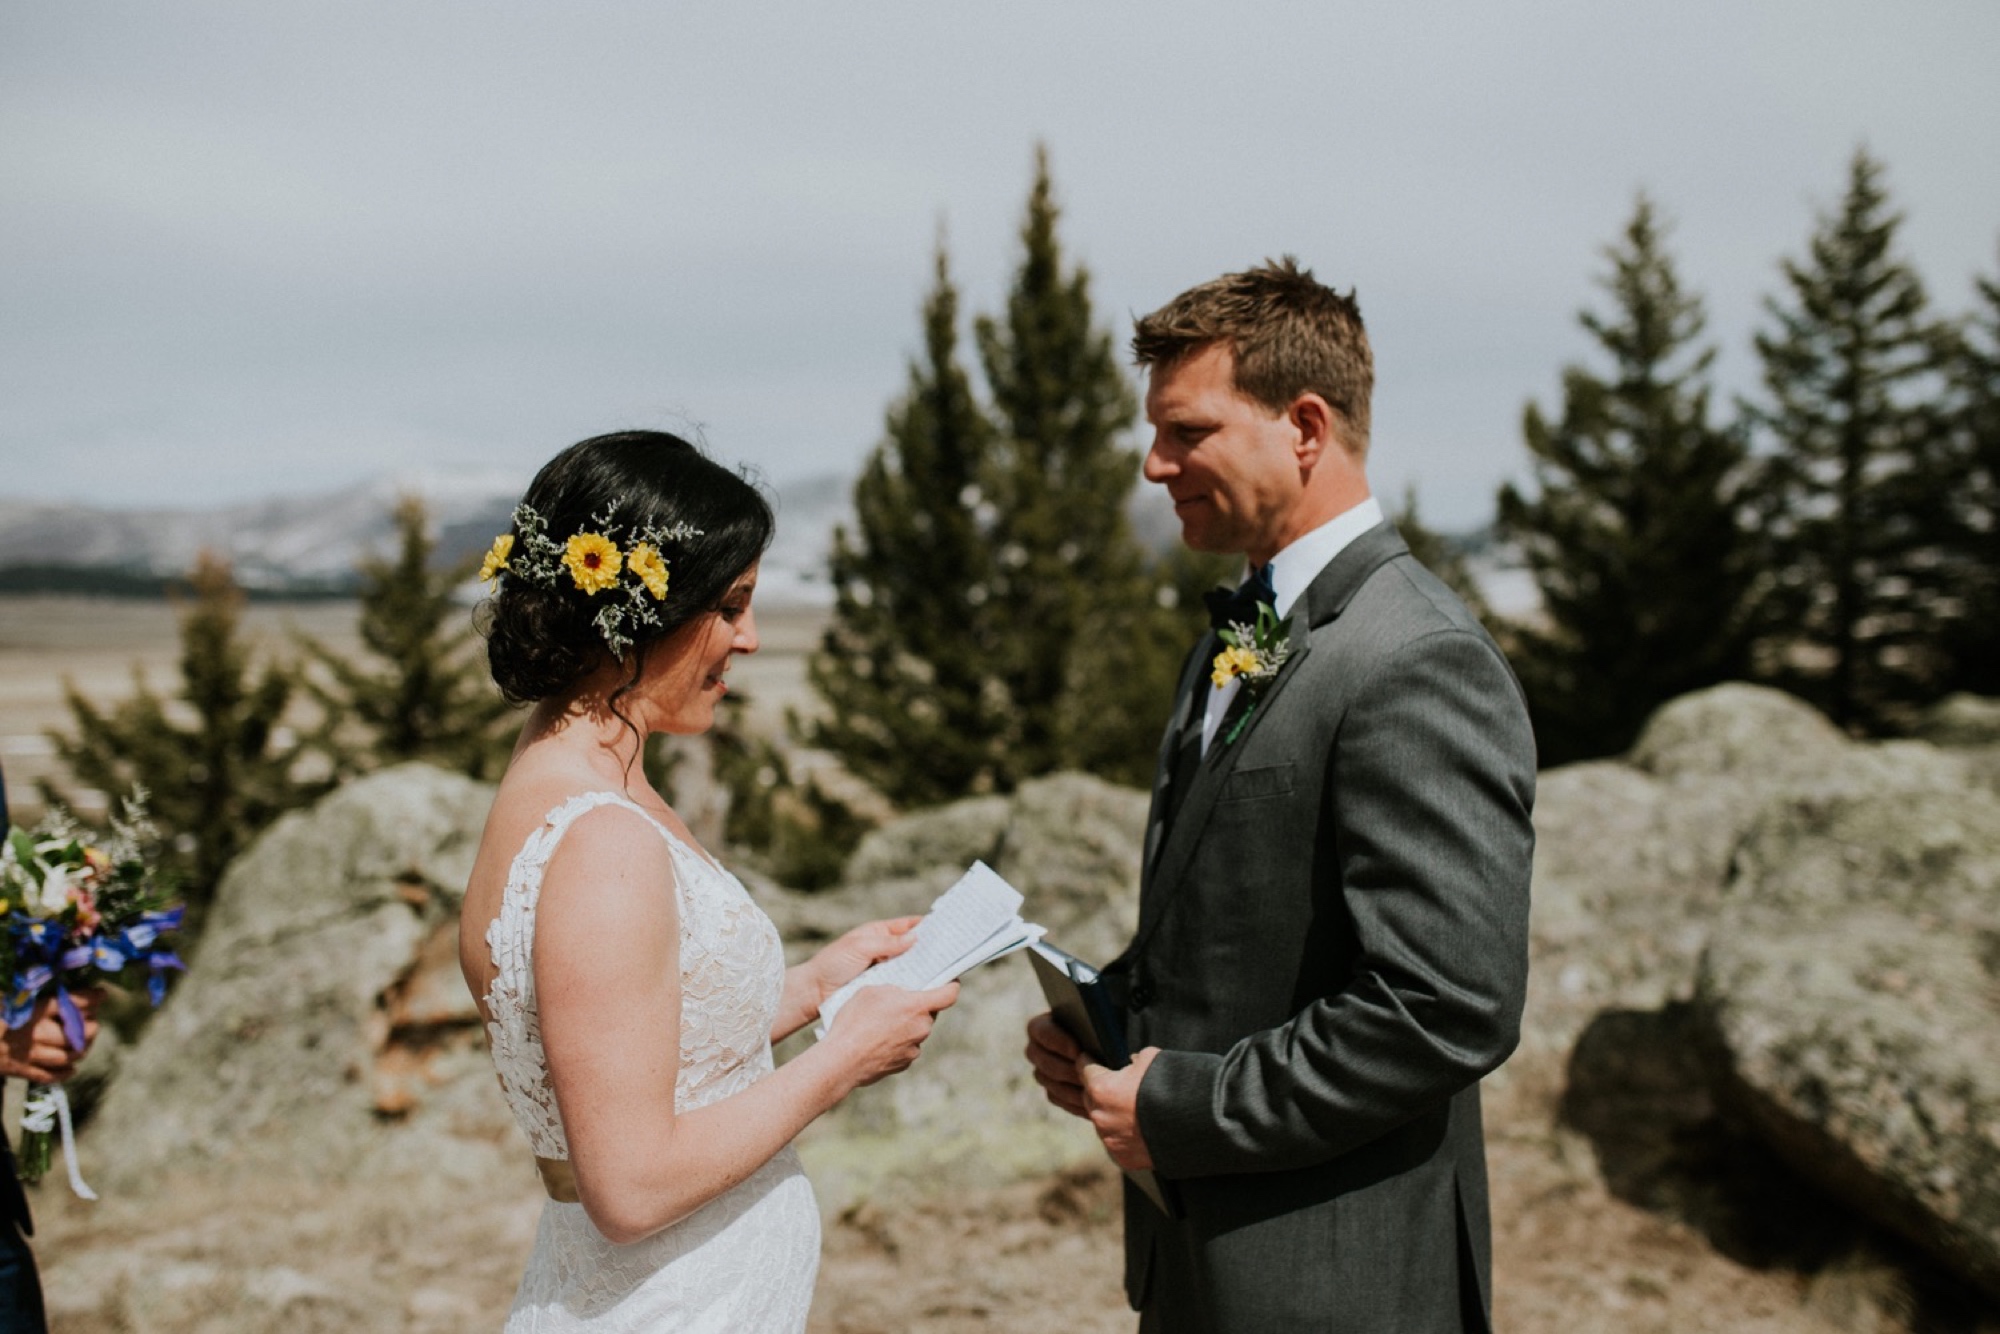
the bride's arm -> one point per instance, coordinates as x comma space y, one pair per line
607, 977
808, 984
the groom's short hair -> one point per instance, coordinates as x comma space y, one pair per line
1289, 335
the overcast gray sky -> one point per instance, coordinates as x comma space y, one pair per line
253, 248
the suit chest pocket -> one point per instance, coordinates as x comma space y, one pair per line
1256, 784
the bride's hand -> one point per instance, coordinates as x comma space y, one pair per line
881, 1029
851, 955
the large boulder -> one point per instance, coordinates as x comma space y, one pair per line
1737, 731
897, 868
1968, 725
1962, 720
323, 1028
1849, 1001
968, 1113
323, 1059
1631, 854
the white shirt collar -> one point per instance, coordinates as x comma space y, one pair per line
1294, 568
1292, 571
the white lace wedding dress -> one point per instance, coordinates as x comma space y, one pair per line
744, 1262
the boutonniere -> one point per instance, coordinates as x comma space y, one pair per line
1254, 654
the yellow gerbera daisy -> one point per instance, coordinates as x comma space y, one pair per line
647, 563
593, 561
1229, 663
496, 559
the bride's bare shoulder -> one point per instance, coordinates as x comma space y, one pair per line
534, 788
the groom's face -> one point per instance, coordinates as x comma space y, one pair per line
1230, 464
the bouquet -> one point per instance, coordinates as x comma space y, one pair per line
74, 914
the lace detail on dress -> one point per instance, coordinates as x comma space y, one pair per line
744, 1261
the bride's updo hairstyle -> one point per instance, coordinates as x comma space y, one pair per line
543, 639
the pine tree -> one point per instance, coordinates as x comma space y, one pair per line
905, 669
1071, 585
1120, 697
995, 616
789, 828
1972, 637
1632, 535
430, 697
214, 783
1854, 492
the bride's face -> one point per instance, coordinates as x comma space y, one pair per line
683, 680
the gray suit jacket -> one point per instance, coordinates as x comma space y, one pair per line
1332, 950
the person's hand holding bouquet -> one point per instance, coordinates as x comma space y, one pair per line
75, 914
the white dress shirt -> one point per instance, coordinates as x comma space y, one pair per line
1292, 571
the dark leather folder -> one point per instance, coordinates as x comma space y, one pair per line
1082, 1004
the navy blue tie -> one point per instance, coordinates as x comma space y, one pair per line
1227, 607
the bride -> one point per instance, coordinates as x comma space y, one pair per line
630, 987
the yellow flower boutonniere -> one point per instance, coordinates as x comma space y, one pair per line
1231, 663
1255, 654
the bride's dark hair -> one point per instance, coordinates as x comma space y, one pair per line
541, 642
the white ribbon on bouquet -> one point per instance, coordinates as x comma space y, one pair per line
46, 1109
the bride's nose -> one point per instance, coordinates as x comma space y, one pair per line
746, 633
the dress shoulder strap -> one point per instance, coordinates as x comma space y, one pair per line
557, 822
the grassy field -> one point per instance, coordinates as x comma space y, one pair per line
99, 644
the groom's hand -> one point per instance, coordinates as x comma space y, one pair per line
1111, 1101
1053, 1052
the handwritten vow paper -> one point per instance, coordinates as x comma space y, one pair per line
975, 921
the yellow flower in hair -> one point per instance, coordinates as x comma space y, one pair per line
647, 563
593, 561
496, 559
1230, 662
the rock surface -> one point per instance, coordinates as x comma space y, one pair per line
1632, 856
1850, 998
323, 1029
967, 1114
1962, 720
1820, 912
1822, 917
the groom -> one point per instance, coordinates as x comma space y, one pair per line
1332, 939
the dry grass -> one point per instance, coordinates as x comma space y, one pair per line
200, 1256
98, 644
1571, 1256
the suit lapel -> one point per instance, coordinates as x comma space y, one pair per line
1173, 769
1172, 843
1192, 810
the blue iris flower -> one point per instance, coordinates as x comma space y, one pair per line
43, 959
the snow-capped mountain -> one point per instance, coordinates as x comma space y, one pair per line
317, 540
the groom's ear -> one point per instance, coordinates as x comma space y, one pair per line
1318, 426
